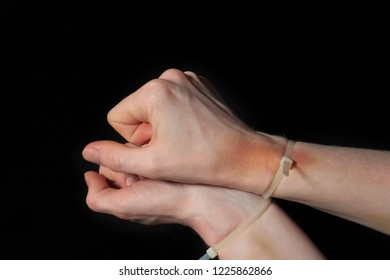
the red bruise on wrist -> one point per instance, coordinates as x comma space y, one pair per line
265, 155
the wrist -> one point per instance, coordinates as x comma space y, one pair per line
255, 162
216, 214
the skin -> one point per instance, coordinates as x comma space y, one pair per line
213, 212
181, 131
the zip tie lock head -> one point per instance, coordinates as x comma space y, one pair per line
286, 164
211, 252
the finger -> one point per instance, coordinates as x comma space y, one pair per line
142, 134
106, 172
146, 201
120, 179
119, 157
98, 192
131, 117
133, 178
104, 199
127, 116
95, 182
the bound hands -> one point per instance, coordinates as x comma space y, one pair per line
186, 159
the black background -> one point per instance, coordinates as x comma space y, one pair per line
309, 76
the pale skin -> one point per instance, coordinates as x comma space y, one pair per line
183, 132
211, 211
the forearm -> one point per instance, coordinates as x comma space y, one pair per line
347, 182
273, 236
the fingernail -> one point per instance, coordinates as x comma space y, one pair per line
130, 180
91, 154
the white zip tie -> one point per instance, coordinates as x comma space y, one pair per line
285, 164
212, 252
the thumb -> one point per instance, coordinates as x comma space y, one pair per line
119, 157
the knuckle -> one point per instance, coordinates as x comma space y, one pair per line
164, 88
157, 86
173, 74
159, 91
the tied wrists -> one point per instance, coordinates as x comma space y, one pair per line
285, 165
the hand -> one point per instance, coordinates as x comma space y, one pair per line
213, 212
186, 133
